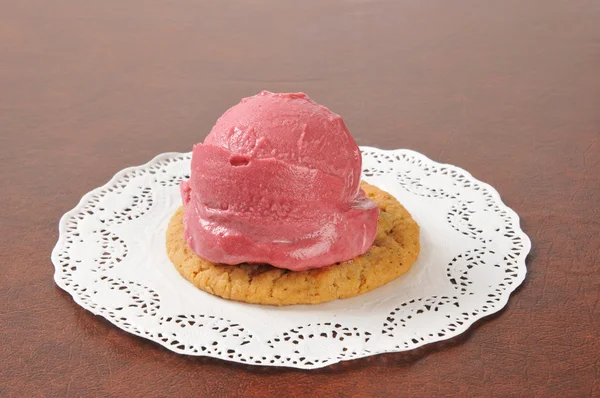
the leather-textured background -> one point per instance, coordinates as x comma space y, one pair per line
508, 90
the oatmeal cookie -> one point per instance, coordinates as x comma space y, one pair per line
395, 249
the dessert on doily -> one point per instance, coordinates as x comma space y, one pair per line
110, 254
275, 213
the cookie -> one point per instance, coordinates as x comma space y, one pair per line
395, 249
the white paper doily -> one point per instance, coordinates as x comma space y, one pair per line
111, 258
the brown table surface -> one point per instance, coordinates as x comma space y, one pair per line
509, 90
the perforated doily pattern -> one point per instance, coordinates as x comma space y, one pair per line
111, 258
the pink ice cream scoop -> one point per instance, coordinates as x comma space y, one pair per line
277, 182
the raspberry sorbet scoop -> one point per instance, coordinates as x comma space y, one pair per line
277, 182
